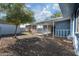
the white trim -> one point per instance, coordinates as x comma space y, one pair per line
76, 32
73, 33
61, 19
76, 26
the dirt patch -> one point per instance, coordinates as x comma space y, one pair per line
35, 46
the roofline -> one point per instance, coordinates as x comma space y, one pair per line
53, 20
61, 19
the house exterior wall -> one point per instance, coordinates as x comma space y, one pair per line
76, 36
44, 28
39, 28
62, 28
9, 29
72, 7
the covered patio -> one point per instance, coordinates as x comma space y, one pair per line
56, 27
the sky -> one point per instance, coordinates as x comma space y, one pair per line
43, 10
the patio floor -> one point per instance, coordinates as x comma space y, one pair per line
35, 46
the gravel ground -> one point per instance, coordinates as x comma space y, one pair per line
35, 46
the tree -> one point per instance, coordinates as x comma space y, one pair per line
57, 14
17, 14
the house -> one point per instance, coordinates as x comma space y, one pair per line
67, 27
57, 27
72, 10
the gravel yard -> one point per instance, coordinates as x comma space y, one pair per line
35, 46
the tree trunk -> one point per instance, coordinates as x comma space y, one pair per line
15, 31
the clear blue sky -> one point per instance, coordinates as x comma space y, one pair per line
43, 10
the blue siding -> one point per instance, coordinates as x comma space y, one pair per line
62, 28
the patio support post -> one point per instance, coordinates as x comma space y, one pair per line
53, 29
31, 28
47, 30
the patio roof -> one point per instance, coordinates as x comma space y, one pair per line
67, 9
50, 22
